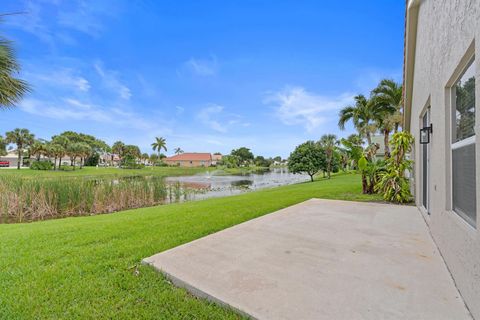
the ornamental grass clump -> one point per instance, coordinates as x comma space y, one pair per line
392, 182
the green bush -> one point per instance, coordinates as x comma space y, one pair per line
393, 184
41, 165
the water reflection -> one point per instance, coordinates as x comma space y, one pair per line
218, 184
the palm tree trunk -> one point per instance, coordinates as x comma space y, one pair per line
19, 159
386, 135
59, 163
55, 163
369, 138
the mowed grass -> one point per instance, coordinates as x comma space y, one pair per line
108, 171
90, 267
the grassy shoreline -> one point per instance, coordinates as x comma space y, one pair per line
89, 267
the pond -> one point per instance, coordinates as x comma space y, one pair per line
218, 184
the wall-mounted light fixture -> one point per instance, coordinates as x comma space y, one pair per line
425, 134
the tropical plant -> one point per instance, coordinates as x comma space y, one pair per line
159, 144
352, 147
392, 181
362, 114
22, 138
307, 158
178, 151
329, 143
12, 89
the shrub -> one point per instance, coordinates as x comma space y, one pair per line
392, 181
92, 161
41, 165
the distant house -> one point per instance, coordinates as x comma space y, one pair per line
10, 159
190, 159
379, 140
216, 158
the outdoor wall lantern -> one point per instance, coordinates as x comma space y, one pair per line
425, 134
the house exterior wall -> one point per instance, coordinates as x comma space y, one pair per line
448, 31
189, 163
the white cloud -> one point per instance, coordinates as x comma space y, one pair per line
111, 81
206, 67
64, 77
208, 117
297, 106
73, 109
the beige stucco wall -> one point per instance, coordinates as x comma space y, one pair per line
447, 30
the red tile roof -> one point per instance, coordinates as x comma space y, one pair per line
192, 156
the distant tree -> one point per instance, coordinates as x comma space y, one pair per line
3, 146
307, 158
22, 138
12, 89
244, 155
145, 157
329, 143
260, 161
159, 144
118, 148
85, 150
178, 151
132, 151
277, 159
73, 151
56, 151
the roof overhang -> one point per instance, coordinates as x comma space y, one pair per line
411, 21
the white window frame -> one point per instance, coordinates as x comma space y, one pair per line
470, 61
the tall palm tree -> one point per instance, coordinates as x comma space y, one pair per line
159, 144
12, 89
362, 114
329, 143
387, 97
22, 138
178, 151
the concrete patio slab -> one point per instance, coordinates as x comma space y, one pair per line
321, 259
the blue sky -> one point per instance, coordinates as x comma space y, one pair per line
206, 75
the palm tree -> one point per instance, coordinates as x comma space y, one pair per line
388, 100
159, 144
64, 142
37, 149
363, 115
329, 143
178, 151
118, 148
84, 151
22, 138
12, 89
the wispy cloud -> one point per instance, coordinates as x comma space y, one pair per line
215, 118
208, 116
74, 109
111, 81
202, 67
297, 106
65, 77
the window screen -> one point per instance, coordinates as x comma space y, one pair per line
463, 180
463, 147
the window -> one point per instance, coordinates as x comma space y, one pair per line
464, 200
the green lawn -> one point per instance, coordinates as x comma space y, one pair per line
109, 171
90, 267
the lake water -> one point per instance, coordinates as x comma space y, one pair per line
217, 184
